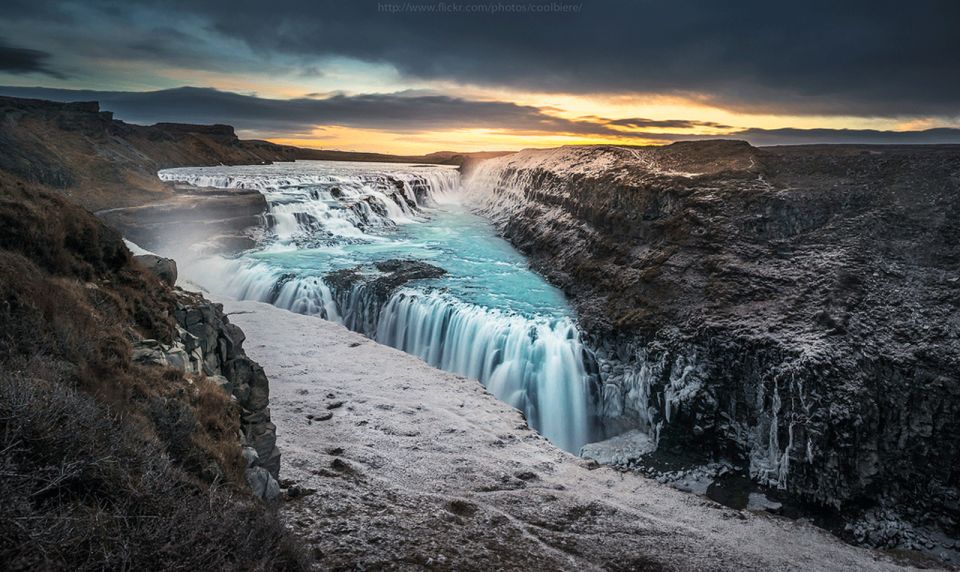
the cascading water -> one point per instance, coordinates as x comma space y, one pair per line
482, 313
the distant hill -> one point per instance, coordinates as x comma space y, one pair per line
101, 162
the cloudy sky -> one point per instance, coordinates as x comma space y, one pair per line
420, 76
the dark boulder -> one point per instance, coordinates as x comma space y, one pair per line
163, 268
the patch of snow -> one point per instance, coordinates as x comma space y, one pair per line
136, 249
620, 450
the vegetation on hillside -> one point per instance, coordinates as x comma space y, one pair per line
107, 464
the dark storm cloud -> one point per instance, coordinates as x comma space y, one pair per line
790, 136
24, 10
876, 58
22, 61
415, 112
853, 57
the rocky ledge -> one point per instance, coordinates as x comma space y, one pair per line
207, 221
206, 343
793, 311
365, 290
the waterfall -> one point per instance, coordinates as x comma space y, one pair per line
538, 365
532, 360
535, 365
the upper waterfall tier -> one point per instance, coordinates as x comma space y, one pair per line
436, 178
315, 200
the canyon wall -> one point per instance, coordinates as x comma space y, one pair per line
793, 309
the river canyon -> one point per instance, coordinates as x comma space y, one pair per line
771, 328
392, 252
419, 257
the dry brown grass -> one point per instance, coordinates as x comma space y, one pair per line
106, 464
218, 421
65, 241
82, 491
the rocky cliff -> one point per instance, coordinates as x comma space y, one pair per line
794, 310
205, 343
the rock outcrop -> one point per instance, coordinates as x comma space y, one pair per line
363, 291
794, 309
204, 327
163, 268
206, 343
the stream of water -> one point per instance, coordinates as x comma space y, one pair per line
488, 317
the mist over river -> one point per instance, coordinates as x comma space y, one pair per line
484, 314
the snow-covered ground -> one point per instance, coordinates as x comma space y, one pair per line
413, 467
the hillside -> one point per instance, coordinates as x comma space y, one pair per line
134, 431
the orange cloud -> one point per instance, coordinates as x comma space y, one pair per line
353, 139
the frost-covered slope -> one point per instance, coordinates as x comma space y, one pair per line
416, 467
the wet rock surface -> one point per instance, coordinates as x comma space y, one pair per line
384, 277
210, 221
365, 290
793, 310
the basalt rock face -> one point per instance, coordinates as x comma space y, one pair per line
362, 292
206, 343
204, 327
794, 309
